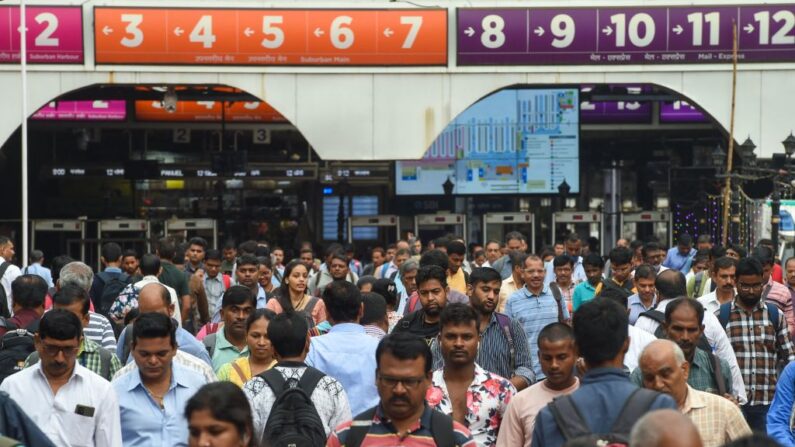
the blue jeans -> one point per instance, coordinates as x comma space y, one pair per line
756, 416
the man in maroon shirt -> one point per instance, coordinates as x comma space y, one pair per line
28, 292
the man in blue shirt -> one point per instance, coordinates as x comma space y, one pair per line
35, 267
533, 307
680, 257
601, 334
346, 352
111, 259
152, 398
155, 297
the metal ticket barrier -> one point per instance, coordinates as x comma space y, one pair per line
129, 233
640, 224
497, 225
188, 228
380, 221
57, 237
584, 223
436, 225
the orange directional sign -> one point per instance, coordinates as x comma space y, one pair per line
146, 36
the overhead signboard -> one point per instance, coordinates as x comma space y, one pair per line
209, 111
680, 112
325, 37
650, 35
114, 110
294, 171
54, 34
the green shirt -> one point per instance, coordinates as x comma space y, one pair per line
702, 375
583, 293
224, 351
175, 278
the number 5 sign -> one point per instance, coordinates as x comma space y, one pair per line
270, 37
54, 34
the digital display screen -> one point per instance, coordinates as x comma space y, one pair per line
518, 141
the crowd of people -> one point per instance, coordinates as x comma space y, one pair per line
444, 343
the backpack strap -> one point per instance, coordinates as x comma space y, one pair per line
558, 295
310, 306
360, 426
127, 343
655, 315
104, 363
442, 429
723, 314
239, 372
568, 417
209, 344
309, 380
505, 324
699, 278
717, 372
772, 313
227, 280
637, 404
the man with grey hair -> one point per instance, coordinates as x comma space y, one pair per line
664, 428
407, 273
665, 370
99, 329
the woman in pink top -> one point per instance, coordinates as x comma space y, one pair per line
292, 296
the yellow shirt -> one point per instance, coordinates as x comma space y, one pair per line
229, 373
458, 281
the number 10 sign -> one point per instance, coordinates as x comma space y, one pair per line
529, 36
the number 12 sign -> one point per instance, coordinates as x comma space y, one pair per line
135, 36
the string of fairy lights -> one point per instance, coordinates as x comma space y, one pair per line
704, 217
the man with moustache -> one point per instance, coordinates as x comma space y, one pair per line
759, 334
723, 275
229, 342
432, 290
503, 343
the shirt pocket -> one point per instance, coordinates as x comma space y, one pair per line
79, 429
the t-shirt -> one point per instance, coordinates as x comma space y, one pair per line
414, 323
174, 277
520, 418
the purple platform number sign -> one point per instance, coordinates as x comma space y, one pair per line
631, 35
767, 33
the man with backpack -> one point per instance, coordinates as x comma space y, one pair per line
109, 283
228, 342
402, 417
607, 404
127, 299
759, 334
620, 273
292, 403
17, 332
504, 350
432, 291
8, 273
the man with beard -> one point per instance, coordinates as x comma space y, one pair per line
503, 343
463, 389
723, 273
684, 326
229, 343
432, 290
759, 334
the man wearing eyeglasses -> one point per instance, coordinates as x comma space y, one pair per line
759, 334
402, 417
72, 405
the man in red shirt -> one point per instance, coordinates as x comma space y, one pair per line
28, 293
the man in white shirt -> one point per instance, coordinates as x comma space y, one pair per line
723, 275
10, 272
72, 405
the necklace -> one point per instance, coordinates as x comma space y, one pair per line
300, 304
157, 397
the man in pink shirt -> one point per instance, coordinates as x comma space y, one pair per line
558, 356
774, 292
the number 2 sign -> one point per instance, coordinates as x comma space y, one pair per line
54, 34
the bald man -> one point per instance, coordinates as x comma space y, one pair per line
664, 428
717, 419
155, 297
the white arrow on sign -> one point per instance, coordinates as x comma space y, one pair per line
749, 28
678, 29
248, 32
539, 31
178, 31
469, 32
318, 32
388, 32
107, 30
607, 30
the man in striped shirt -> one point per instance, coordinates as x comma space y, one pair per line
99, 329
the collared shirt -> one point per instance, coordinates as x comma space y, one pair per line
779, 416
56, 414
262, 297
214, 288
702, 374
100, 330
183, 359
128, 299
533, 312
507, 289
382, 432
225, 351
520, 418
583, 293
718, 341
329, 398
636, 307
487, 398
37, 269
638, 340
710, 302
185, 342
600, 398
780, 295
190, 269
717, 420
12, 272
494, 354
759, 348
173, 277
347, 353
677, 261
577, 274
144, 422
88, 356
374, 331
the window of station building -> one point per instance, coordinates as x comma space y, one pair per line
362, 206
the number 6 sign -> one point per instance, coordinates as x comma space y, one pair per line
54, 34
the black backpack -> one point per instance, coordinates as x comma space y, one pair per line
293, 419
114, 283
573, 427
659, 317
441, 429
15, 347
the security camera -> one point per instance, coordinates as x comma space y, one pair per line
170, 100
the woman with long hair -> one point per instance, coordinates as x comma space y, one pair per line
260, 356
292, 297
